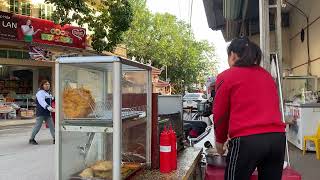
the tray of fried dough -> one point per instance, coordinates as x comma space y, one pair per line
102, 170
77, 102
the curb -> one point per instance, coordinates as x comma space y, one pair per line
15, 125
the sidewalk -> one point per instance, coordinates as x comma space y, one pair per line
16, 122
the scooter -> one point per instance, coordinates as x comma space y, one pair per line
196, 129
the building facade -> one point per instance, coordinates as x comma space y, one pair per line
29, 44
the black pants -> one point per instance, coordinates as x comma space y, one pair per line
262, 151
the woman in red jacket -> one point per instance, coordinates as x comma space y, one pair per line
246, 108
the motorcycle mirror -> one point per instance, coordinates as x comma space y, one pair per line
207, 144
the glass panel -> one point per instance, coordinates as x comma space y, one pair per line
85, 85
15, 54
85, 104
28, 6
23, 8
293, 87
11, 5
25, 55
49, 11
81, 151
16, 6
42, 11
134, 102
3, 53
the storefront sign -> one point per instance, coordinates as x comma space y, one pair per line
9, 26
29, 29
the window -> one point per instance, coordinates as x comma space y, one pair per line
45, 11
7, 53
3, 53
26, 8
15, 54
14, 6
42, 11
49, 12
25, 55
20, 7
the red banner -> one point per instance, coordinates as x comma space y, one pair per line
29, 29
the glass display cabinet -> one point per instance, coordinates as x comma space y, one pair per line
103, 117
294, 85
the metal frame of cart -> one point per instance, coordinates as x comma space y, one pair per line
116, 129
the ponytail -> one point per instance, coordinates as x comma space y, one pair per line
248, 52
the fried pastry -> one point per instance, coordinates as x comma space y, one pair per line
102, 166
103, 174
77, 102
87, 173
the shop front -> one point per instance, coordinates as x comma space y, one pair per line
19, 81
28, 49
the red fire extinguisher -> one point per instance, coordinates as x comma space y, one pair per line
165, 151
173, 140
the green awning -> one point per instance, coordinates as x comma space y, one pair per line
232, 9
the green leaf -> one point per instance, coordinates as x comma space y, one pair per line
116, 15
169, 42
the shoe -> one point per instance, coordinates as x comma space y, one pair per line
33, 142
54, 141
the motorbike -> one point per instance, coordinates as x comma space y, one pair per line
199, 125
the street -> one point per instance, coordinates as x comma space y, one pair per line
21, 161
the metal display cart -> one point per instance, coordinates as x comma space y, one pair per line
115, 128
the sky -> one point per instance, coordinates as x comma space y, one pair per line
200, 28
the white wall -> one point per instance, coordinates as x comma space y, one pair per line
298, 49
295, 51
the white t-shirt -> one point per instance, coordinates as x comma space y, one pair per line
27, 30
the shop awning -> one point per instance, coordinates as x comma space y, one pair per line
238, 17
214, 13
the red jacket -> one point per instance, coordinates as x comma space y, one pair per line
246, 103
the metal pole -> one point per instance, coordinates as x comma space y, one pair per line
58, 149
166, 73
101, 137
281, 102
117, 120
149, 117
279, 66
264, 33
279, 36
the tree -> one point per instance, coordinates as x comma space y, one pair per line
107, 19
166, 41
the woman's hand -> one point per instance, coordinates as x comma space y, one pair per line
220, 149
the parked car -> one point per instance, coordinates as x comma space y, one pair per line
192, 99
